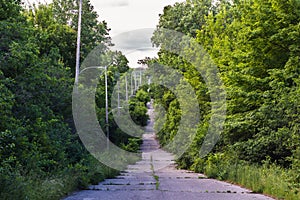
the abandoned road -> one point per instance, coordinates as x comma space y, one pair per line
150, 179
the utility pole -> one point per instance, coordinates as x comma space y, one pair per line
131, 84
78, 44
140, 77
106, 99
126, 85
106, 109
135, 83
118, 98
149, 82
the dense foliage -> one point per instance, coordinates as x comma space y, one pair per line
255, 45
41, 156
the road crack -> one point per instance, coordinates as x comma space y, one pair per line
157, 183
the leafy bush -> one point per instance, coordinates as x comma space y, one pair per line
133, 145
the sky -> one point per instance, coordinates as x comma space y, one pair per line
132, 23
125, 15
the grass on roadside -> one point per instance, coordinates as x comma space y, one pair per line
15, 185
268, 179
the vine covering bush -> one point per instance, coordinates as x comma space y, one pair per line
41, 156
255, 45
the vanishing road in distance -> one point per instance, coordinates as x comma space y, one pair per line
148, 180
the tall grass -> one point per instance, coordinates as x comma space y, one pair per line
34, 186
37, 185
268, 179
271, 180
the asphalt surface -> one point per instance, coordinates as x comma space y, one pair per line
156, 177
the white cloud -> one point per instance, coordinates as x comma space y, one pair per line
135, 45
137, 14
128, 15
119, 3
109, 3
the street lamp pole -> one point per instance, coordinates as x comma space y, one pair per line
106, 109
131, 84
126, 85
118, 98
140, 77
106, 99
78, 44
135, 81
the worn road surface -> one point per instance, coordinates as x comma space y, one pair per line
155, 177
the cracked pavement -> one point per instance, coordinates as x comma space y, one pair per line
156, 177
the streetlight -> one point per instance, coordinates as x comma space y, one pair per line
126, 85
78, 44
149, 82
131, 84
106, 98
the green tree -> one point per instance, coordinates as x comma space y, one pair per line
53, 34
255, 46
93, 31
36, 136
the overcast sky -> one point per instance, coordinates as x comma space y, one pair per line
131, 16
127, 16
